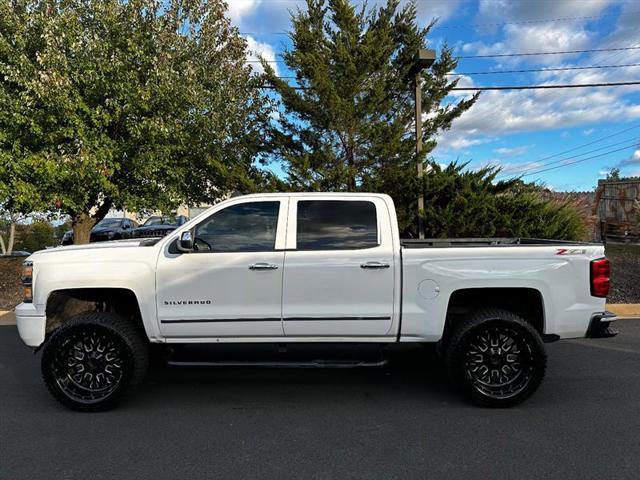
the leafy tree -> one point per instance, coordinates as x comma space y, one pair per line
135, 104
18, 198
35, 236
349, 126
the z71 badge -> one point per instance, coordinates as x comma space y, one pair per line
571, 251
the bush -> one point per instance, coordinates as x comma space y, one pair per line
462, 203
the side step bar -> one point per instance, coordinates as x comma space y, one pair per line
292, 364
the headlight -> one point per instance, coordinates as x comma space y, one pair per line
27, 281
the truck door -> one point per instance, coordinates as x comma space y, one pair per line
339, 268
232, 285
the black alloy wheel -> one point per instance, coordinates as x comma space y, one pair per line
92, 360
497, 358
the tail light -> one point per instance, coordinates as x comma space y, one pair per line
600, 272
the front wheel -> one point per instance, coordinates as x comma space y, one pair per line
90, 362
497, 358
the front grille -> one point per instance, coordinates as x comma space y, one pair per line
151, 233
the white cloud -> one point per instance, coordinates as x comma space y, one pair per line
513, 11
441, 9
462, 141
255, 50
239, 10
588, 132
504, 151
510, 169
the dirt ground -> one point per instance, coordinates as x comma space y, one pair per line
10, 288
625, 278
625, 273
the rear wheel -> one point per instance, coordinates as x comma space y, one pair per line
497, 358
90, 362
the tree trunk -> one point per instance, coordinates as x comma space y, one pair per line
82, 225
12, 237
3, 249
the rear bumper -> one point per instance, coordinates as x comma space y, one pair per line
600, 325
31, 325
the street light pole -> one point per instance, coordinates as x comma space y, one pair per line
424, 59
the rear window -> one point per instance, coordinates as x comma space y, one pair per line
336, 225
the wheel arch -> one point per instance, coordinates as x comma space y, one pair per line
526, 302
64, 304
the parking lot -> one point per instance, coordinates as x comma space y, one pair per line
401, 421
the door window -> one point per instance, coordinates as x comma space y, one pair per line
336, 225
246, 227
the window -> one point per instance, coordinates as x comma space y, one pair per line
246, 227
336, 224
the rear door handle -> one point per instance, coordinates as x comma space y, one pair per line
374, 265
263, 266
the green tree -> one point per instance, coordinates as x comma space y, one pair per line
35, 236
19, 195
135, 104
349, 124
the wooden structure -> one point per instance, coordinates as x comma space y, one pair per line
617, 205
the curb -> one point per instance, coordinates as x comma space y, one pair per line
7, 317
625, 310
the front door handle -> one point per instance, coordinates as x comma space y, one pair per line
374, 265
263, 266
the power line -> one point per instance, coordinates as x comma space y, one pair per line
506, 87
572, 157
566, 52
526, 54
573, 149
593, 142
524, 22
545, 87
530, 70
553, 69
579, 161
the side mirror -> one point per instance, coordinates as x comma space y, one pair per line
185, 244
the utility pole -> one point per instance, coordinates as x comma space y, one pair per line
424, 59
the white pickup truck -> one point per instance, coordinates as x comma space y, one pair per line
309, 268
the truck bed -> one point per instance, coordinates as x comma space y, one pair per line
484, 242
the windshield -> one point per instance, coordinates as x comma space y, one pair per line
160, 221
109, 223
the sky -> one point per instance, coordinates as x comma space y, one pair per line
564, 138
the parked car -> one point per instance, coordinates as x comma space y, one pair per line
17, 253
310, 268
106, 229
159, 226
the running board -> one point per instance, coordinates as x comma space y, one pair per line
309, 364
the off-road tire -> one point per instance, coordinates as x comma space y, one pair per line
102, 344
504, 345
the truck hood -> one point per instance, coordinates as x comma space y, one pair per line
97, 247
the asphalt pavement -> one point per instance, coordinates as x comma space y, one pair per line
402, 421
